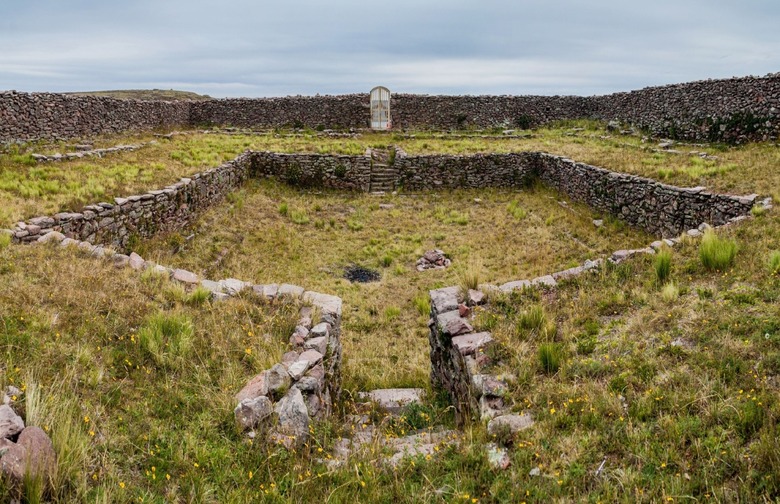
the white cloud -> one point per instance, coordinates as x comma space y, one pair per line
454, 46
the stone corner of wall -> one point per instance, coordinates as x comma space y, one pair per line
461, 358
284, 400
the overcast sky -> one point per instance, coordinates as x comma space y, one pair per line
263, 48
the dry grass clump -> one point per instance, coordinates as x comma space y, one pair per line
715, 252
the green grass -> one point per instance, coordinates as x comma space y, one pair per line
167, 338
677, 397
716, 253
663, 265
359, 232
774, 262
516, 211
550, 357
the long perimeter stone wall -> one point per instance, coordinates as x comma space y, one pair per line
34, 116
730, 110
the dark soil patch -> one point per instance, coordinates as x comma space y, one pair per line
355, 273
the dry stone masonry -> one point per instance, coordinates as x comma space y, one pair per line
281, 401
35, 116
83, 151
462, 363
655, 207
143, 215
303, 387
731, 110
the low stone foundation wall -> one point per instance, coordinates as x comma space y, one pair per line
143, 215
658, 208
463, 363
351, 173
417, 173
281, 401
286, 398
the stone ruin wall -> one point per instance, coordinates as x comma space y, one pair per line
419, 173
726, 110
462, 112
732, 110
351, 173
51, 116
660, 209
144, 215
657, 208
335, 112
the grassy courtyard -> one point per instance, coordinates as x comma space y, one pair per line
664, 372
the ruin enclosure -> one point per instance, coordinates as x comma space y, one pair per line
356, 312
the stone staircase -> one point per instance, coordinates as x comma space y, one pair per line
384, 175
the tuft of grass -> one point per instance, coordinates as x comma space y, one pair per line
670, 292
386, 260
198, 296
423, 305
299, 217
774, 262
167, 338
663, 265
5, 240
534, 320
471, 275
757, 211
516, 211
550, 357
392, 313
284, 208
354, 224
716, 253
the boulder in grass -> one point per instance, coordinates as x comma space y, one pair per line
11, 424
32, 456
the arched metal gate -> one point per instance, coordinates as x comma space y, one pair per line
380, 108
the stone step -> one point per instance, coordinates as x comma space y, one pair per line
393, 400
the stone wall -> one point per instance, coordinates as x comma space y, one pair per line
286, 398
458, 112
462, 363
658, 208
315, 170
732, 110
143, 215
33, 116
281, 401
466, 363
450, 172
343, 111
